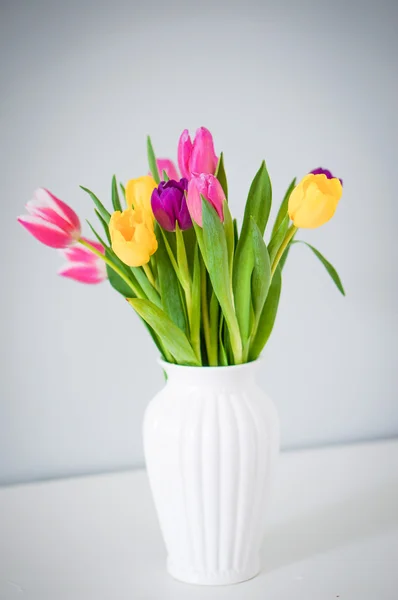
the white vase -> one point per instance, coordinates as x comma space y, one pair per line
211, 437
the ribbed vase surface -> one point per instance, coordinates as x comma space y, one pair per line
211, 437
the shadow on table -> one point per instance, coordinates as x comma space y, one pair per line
336, 525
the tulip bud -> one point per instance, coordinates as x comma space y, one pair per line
132, 236
210, 188
169, 205
314, 200
51, 221
199, 156
83, 265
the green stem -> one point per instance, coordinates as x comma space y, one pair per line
289, 234
205, 317
214, 326
111, 265
149, 274
190, 308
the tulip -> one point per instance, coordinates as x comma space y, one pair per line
82, 265
164, 164
132, 236
169, 205
210, 188
320, 171
138, 194
314, 200
51, 221
199, 156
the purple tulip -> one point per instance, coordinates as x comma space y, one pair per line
170, 206
320, 171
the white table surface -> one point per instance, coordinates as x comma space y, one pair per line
332, 533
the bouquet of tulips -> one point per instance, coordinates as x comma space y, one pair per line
207, 291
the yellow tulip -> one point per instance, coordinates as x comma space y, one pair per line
132, 236
139, 192
314, 200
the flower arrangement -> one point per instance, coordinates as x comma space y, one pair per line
207, 292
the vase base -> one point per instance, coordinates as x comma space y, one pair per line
213, 578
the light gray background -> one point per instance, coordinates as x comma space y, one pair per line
302, 84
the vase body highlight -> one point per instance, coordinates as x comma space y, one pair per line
211, 437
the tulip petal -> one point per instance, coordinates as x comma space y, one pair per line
184, 153
139, 192
216, 196
81, 254
46, 233
164, 164
209, 187
83, 272
203, 157
163, 217
194, 202
50, 216
43, 197
184, 218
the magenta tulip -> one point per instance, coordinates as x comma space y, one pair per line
209, 187
51, 221
169, 205
199, 156
82, 265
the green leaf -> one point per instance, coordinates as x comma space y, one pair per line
182, 259
258, 203
165, 176
152, 161
115, 196
104, 225
99, 238
222, 355
261, 277
230, 237
236, 233
196, 305
258, 207
146, 285
277, 238
190, 246
169, 287
100, 207
119, 284
282, 212
329, 267
171, 254
214, 323
123, 190
242, 274
213, 244
221, 176
267, 318
174, 340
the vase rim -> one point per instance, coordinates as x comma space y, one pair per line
230, 368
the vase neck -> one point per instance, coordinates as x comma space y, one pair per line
211, 376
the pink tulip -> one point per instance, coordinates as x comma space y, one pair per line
164, 164
199, 156
210, 188
51, 221
82, 265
